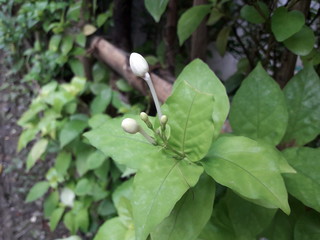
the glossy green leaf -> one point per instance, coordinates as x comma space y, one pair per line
255, 14
190, 214
303, 98
124, 148
302, 42
95, 160
284, 24
62, 163
55, 218
190, 120
200, 76
249, 169
222, 40
259, 109
157, 188
37, 191
305, 184
156, 8
114, 229
71, 130
36, 152
308, 227
190, 20
51, 203
67, 44
247, 219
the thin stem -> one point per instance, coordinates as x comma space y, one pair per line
147, 78
150, 139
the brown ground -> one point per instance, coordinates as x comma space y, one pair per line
18, 220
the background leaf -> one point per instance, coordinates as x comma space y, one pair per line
37, 191
36, 152
303, 98
247, 168
259, 109
305, 184
190, 20
252, 15
222, 40
308, 227
156, 8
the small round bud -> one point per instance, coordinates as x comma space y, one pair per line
67, 197
130, 125
163, 119
138, 64
144, 117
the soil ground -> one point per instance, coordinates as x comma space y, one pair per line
18, 220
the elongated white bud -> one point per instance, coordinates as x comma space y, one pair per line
163, 119
130, 126
144, 117
138, 64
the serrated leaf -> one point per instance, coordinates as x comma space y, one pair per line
284, 24
305, 184
259, 109
156, 8
302, 42
124, 148
36, 152
248, 169
114, 229
253, 15
55, 218
190, 214
190, 120
222, 40
190, 20
200, 76
303, 98
154, 185
37, 191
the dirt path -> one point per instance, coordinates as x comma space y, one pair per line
18, 220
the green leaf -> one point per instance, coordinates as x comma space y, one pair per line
247, 219
71, 130
249, 169
190, 120
83, 187
114, 229
101, 101
284, 24
190, 214
156, 8
36, 152
308, 227
54, 42
51, 203
199, 75
302, 95
37, 191
305, 184
67, 44
302, 42
255, 14
95, 160
55, 218
26, 136
190, 20
69, 221
259, 109
62, 163
215, 16
82, 219
97, 120
222, 40
157, 188
124, 148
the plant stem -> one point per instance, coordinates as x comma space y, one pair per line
147, 78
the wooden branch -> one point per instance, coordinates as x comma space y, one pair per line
118, 60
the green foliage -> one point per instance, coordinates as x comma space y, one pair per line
37, 191
156, 8
257, 13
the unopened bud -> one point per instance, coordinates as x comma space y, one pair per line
144, 117
130, 125
138, 64
163, 120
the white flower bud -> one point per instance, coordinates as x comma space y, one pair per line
67, 197
138, 64
130, 125
163, 119
144, 117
